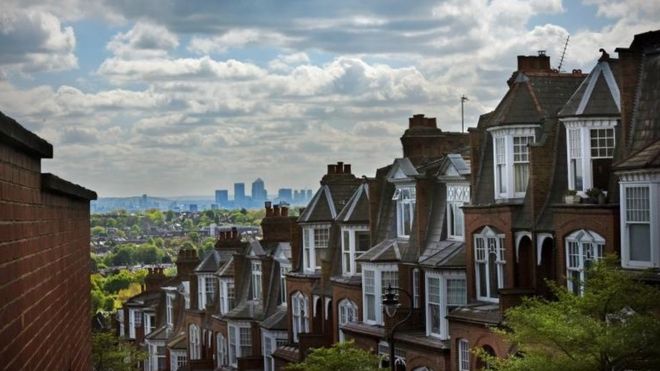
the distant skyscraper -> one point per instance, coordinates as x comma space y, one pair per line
258, 191
308, 195
284, 194
222, 197
239, 192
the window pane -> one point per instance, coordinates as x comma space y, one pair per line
637, 204
434, 313
521, 173
639, 242
602, 143
362, 241
456, 292
492, 274
434, 290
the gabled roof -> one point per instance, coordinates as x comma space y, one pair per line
444, 254
254, 248
320, 208
277, 321
598, 95
402, 168
520, 105
214, 259
454, 165
227, 269
385, 251
357, 207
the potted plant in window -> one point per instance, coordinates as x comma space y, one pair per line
571, 197
596, 196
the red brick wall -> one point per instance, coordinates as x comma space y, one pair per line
44, 271
339, 293
477, 336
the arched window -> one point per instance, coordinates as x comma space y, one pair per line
347, 314
300, 312
463, 355
194, 341
221, 350
489, 263
483, 364
583, 247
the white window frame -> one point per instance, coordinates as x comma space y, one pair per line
154, 356
378, 288
120, 319
284, 269
348, 247
256, 284
504, 158
204, 290
169, 309
416, 287
149, 324
457, 196
485, 243
582, 246
651, 181
240, 341
405, 195
445, 302
227, 294
347, 312
221, 349
178, 359
579, 150
300, 314
463, 353
274, 338
194, 341
310, 245
133, 316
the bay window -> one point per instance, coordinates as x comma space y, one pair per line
206, 289
347, 314
582, 249
270, 341
489, 264
178, 359
221, 350
457, 196
511, 159
375, 279
444, 292
354, 242
315, 246
194, 339
226, 295
256, 280
405, 209
240, 342
640, 212
284, 269
300, 312
590, 149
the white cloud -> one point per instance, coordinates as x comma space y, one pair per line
35, 41
235, 38
143, 40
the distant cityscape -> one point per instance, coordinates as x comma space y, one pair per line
220, 200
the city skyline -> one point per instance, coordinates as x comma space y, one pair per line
178, 100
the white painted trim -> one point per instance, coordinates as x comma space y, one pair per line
518, 237
540, 239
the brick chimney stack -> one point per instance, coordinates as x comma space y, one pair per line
534, 63
424, 140
276, 225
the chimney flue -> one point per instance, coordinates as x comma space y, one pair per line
332, 169
347, 169
276, 210
285, 211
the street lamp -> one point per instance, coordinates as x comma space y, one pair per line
392, 304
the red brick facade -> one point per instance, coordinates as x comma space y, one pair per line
44, 261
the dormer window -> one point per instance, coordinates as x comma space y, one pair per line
315, 245
206, 289
590, 148
457, 196
355, 241
511, 160
226, 295
256, 280
405, 209
169, 303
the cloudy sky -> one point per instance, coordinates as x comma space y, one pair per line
170, 97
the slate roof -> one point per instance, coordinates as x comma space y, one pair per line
227, 269
385, 251
646, 158
646, 115
444, 254
214, 260
277, 321
330, 199
357, 207
487, 313
598, 95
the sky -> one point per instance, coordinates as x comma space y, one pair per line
177, 97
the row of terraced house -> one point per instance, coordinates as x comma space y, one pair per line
466, 224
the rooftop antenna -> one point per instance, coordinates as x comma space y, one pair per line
463, 99
563, 53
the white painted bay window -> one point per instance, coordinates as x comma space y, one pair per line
444, 292
194, 341
583, 247
354, 242
590, 148
134, 321
347, 314
457, 196
315, 245
300, 312
240, 342
511, 159
149, 321
270, 341
226, 295
375, 280
405, 197
207, 285
221, 350
178, 359
640, 218
256, 280
489, 263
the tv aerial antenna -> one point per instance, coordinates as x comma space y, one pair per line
563, 53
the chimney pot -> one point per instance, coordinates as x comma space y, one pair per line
234, 233
285, 211
347, 169
340, 167
276, 210
332, 169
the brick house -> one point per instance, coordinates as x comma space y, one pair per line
44, 259
554, 135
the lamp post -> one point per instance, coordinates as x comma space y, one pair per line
392, 304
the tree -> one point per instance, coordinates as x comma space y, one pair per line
614, 326
343, 356
124, 255
110, 353
148, 254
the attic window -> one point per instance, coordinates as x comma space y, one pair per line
590, 148
511, 160
405, 209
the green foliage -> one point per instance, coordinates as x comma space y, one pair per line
343, 356
614, 326
98, 231
111, 353
148, 254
